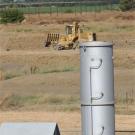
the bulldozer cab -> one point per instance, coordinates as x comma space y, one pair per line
72, 29
69, 29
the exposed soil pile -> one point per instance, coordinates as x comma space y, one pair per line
84, 17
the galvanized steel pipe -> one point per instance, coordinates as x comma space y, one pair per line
97, 88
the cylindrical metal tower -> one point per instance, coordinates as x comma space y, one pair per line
97, 88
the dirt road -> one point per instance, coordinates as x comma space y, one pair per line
67, 121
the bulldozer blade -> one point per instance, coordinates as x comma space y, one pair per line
52, 38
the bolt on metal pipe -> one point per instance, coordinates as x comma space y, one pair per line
97, 88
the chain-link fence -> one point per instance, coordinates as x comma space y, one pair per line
61, 7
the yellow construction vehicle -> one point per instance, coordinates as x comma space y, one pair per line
71, 39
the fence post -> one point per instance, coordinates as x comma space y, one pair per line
80, 8
75, 10
50, 10
132, 94
86, 10
38, 11
57, 11
127, 101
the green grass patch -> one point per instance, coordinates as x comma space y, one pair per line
125, 28
43, 70
10, 75
107, 27
16, 102
44, 102
23, 30
64, 69
11, 15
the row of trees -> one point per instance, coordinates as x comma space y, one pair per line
126, 5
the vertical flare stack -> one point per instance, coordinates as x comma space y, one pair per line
97, 88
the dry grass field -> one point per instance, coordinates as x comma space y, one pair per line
40, 84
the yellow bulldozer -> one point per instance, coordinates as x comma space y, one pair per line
70, 40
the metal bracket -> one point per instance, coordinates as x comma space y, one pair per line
97, 66
91, 68
84, 48
98, 98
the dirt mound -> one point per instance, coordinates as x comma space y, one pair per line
125, 16
44, 19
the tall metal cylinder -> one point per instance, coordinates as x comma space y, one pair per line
97, 88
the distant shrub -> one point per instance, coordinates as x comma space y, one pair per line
10, 76
11, 16
126, 5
